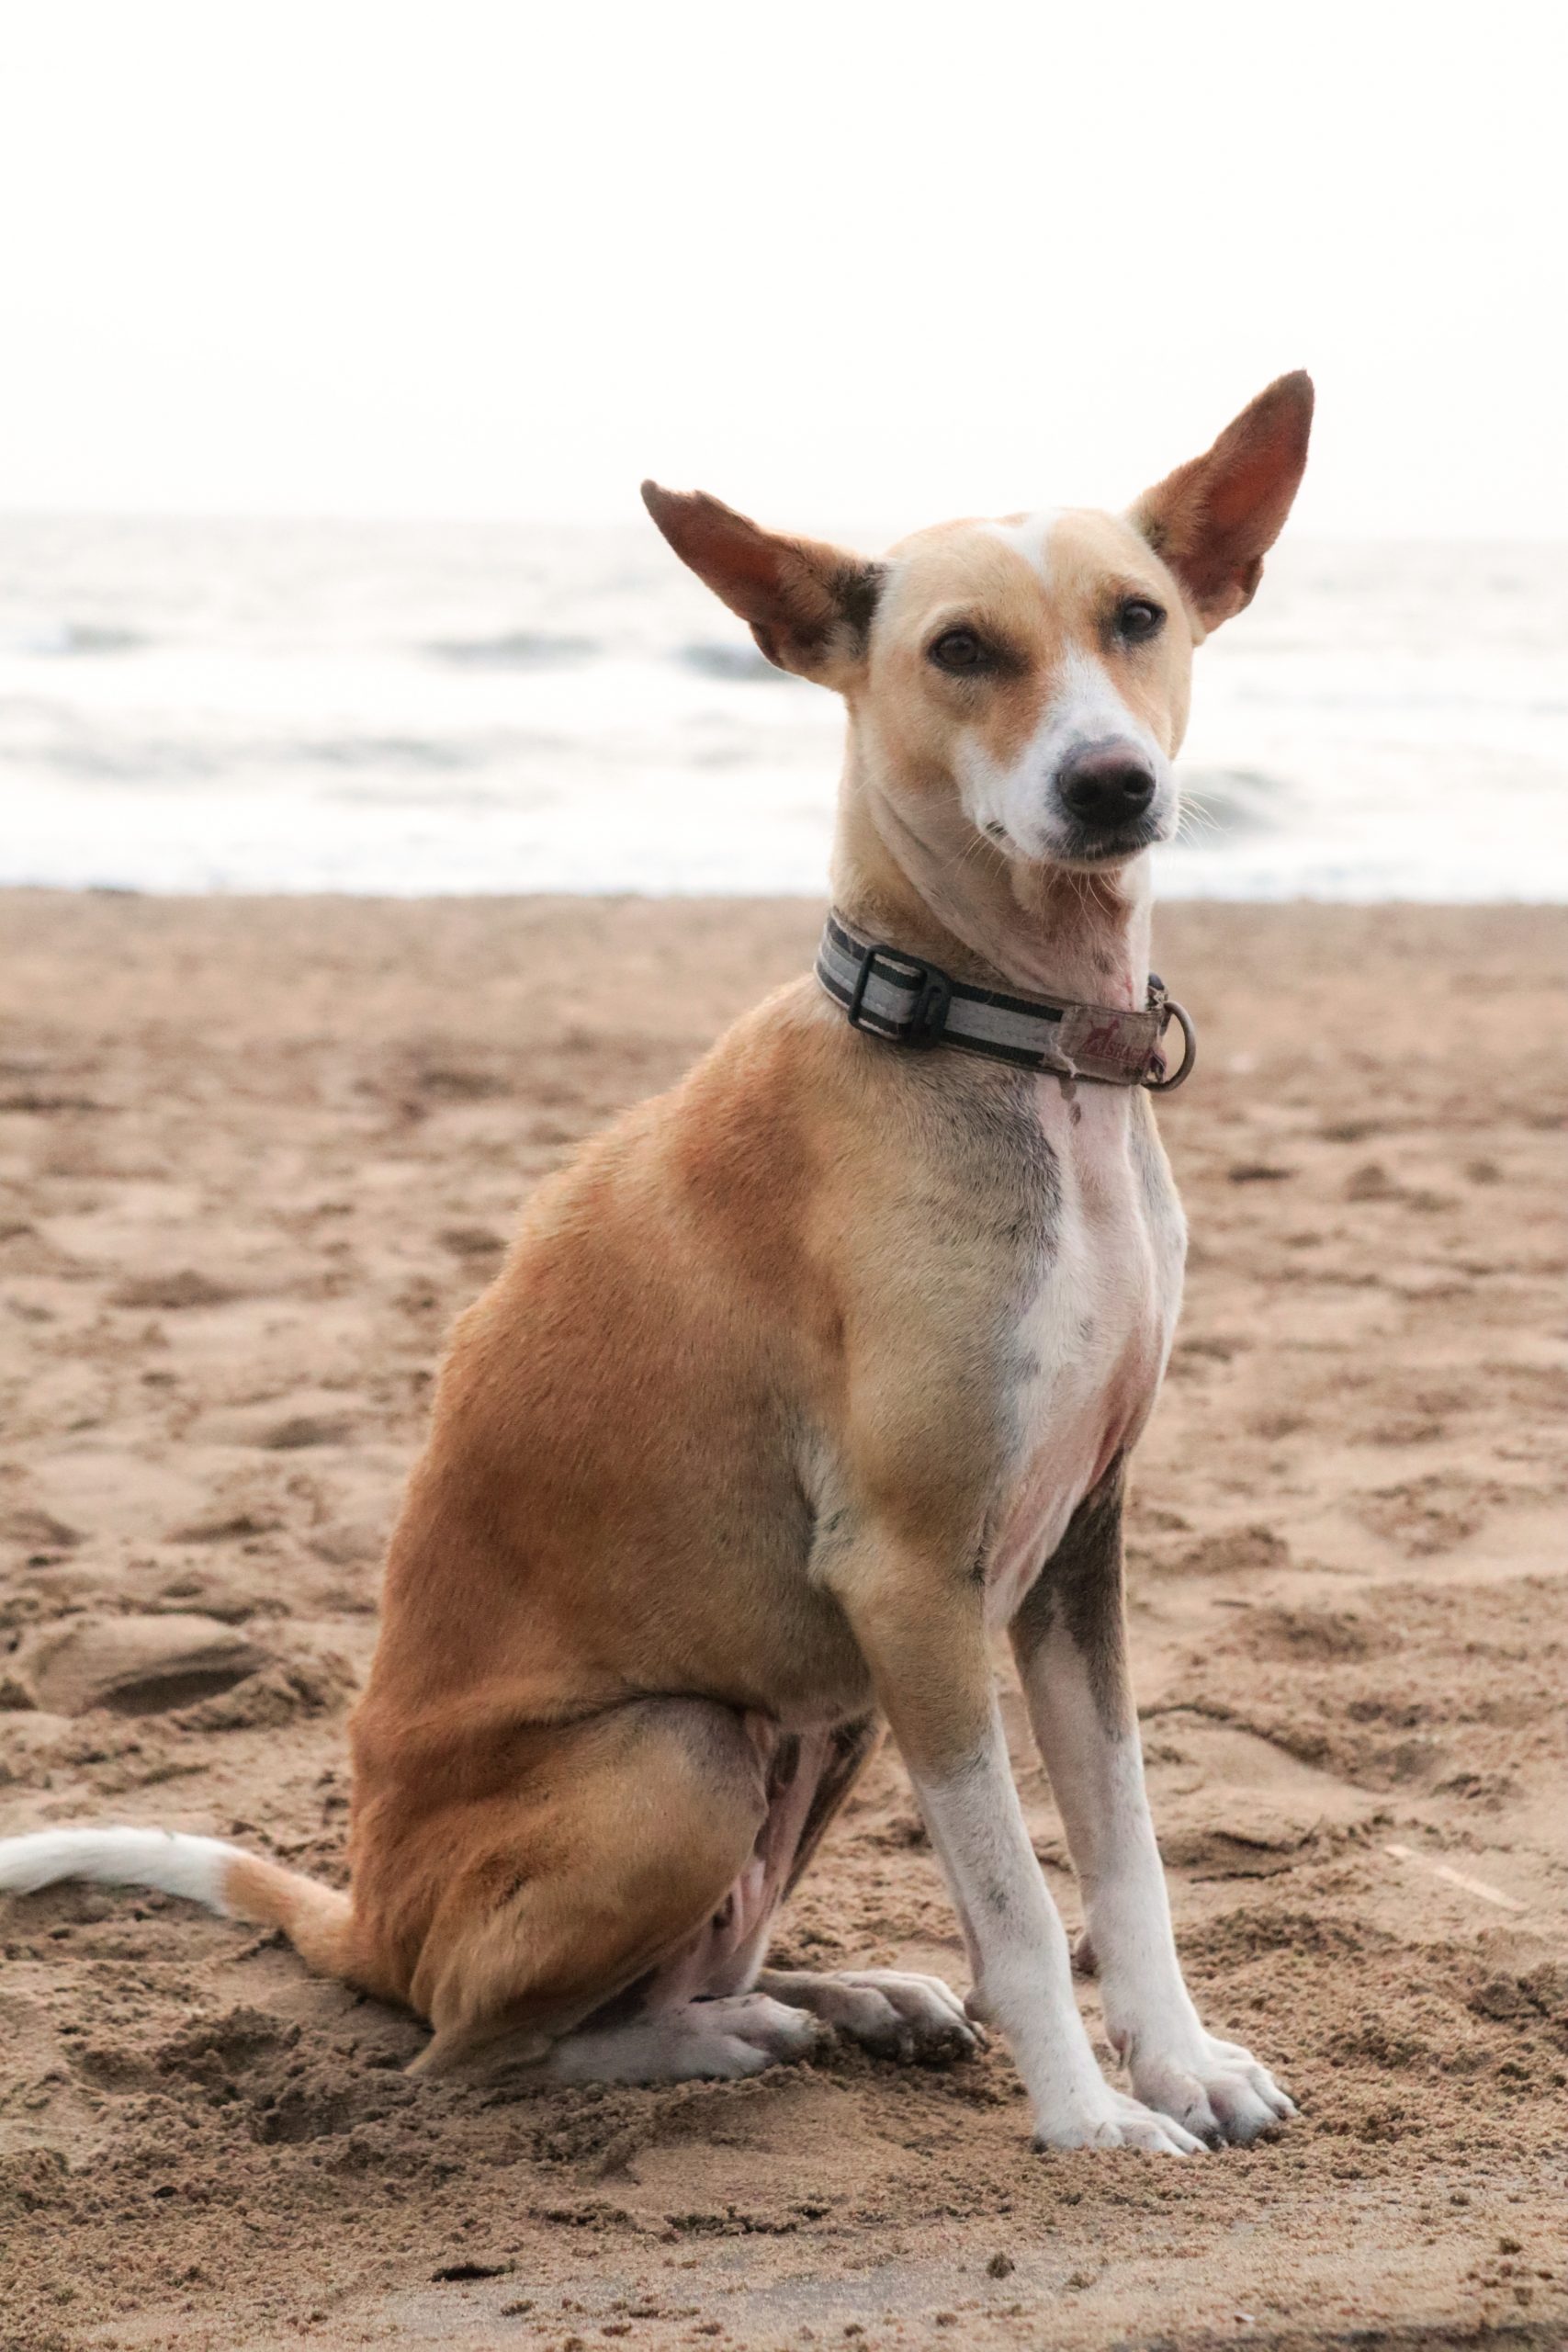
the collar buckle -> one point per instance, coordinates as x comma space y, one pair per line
927, 1016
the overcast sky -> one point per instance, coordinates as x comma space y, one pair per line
869, 262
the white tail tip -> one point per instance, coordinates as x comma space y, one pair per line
163, 1858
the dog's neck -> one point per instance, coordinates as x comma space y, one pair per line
936, 890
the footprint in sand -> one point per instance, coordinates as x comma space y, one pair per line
1231, 1803
1426, 1515
1232, 1551
136, 1666
172, 1291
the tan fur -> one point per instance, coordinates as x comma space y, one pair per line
965, 573
318, 1920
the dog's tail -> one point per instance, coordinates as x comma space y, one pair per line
317, 1919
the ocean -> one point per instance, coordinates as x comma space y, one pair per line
195, 706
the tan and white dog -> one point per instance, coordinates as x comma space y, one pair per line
805, 1377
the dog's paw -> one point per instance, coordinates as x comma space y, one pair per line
1114, 2121
717, 2041
741, 2034
1214, 2088
915, 2019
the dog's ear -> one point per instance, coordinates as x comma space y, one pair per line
807, 605
1214, 520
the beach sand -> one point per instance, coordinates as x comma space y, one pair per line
253, 1155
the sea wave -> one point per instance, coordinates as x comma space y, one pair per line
517, 648
741, 664
295, 707
127, 759
60, 640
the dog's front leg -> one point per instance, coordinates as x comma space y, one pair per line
1069, 1641
921, 1627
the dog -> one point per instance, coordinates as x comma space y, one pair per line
805, 1378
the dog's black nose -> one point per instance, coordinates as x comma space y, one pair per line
1107, 785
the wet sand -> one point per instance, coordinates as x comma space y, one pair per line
253, 1155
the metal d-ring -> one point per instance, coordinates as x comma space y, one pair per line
1189, 1051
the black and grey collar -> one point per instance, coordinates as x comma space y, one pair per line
910, 1002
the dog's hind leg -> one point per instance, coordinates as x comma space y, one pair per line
569, 1897
888, 2009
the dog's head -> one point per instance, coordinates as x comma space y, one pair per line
1027, 678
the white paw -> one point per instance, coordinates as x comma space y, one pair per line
702, 2041
1214, 2088
889, 2012
741, 2034
1112, 2119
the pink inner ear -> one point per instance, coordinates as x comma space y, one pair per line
1251, 485
1215, 519
805, 602
742, 564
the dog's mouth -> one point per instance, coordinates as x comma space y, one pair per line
1084, 850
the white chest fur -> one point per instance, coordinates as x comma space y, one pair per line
1089, 1344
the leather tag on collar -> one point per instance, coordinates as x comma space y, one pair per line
1115, 1048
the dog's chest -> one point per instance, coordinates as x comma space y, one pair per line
1086, 1343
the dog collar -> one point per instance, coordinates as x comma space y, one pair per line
910, 1002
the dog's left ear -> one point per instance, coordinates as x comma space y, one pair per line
807, 605
1214, 520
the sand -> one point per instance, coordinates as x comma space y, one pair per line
252, 1157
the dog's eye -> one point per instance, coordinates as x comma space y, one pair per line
1139, 619
958, 650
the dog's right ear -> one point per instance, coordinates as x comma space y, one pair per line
807, 605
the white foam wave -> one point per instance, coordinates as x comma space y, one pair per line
309, 707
